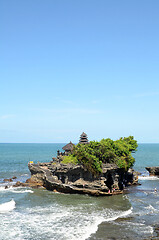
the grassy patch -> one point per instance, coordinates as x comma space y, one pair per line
69, 159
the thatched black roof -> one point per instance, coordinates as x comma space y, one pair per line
68, 147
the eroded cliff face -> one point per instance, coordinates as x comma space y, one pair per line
69, 178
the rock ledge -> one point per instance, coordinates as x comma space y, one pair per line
69, 178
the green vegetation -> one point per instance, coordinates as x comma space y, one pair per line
69, 159
95, 153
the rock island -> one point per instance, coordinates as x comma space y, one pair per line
94, 168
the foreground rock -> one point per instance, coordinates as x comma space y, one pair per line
69, 178
28, 183
8, 180
153, 171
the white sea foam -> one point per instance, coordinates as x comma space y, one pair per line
121, 214
146, 211
7, 206
150, 207
138, 227
8, 189
92, 227
2, 189
59, 221
145, 229
15, 190
99, 219
150, 229
148, 178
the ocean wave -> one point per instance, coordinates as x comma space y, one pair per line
122, 214
148, 229
138, 227
147, 210
2, 189
15, 190
55, 219
94, 226
22, 191
151, 209
148, 178
7, 206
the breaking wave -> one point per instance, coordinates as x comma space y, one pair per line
70, 222
15, 190
122, 214
7, 206
148, 178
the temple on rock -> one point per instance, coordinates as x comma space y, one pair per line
68, 148
83, 138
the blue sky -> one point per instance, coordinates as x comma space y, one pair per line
73, 66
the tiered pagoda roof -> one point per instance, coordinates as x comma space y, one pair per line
83, 138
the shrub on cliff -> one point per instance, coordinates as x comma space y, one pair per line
95, 153
69, 159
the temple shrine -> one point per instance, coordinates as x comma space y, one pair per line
83, 138
69, 147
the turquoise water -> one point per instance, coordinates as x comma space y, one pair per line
14, 157
39, 214
147, 155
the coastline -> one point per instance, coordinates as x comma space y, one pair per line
52, 211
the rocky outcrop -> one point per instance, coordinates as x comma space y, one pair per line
8, 180
69, 178
154, 171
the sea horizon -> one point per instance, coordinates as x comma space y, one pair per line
63, 142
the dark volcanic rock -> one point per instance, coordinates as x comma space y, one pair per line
156, 229
8, 180
153, 170
19, 184
69, 178
28, 183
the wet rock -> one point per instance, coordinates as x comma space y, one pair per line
7, 180
123, 219
28, 183
33, 183
19, 184
156, 230
154, 171
155, 233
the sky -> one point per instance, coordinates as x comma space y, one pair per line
73, 66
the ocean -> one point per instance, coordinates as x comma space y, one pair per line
38, 214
